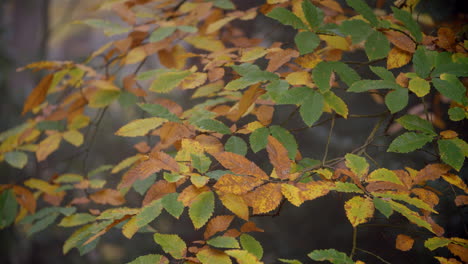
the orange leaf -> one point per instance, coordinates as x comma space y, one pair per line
265, 114
314, 189
171, 132
217, 224
279, 58
427, 196
404, 242
430, 172
460, 251
265, 198
210, 144
188, 195
248, 98
461, 200
158, 190
401, 40
397, 58
108, 196
279, 157
38, 95
25, 198
239, 164
237, 184
446, 38
47, 146
235, 204
250, 227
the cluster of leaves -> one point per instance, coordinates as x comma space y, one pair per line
200, 158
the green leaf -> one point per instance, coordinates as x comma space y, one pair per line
161, 33
457, 69
362, 8
42, 224
383, 73
397, 99
188, 29
357, 29
409, 142
250, 244
407, 199
251, 77
366, 85
171, 244
158, 110
245, 68
449, 86
313, 15
421, 63
290, 261
239, 84
384, 207
412, 216
48, 211
259, 139
200, 162
50, 125
223, 4
286, 17
141, 186
457, 114
336, 103
127, 99
276, 89
434, 243
84, 233
102, 168
17, 159
213, 125
147, 214
102, 98
377, 46
109, 28
451, 154
306, 41
346, 187
312, 107
76, 219
8, 208
419, 86
223, 242
286, 138
416, 123
236, 145
172, 205
167, 81
201, 209
383, 174
332, 255
150, 259
408, 21
357, 164
322, 73
295, 95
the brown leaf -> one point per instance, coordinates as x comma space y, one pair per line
431, 172
377, 186
210, 144
278, 156
404, 242
217, 224
264, 114
53, 199
265, 198
460, 251
215, 74
142, 147
125, 13
232, 233
239, 164
79, 200
108, 196
279, 58
171, 132
397, 58
427, 196
405, 178
401, 40
25, 198
461, 200
38, 95
158, 190
237, 184
188, 195
247, 99
250, 227
446, 38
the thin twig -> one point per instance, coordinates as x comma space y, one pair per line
375, 255
328, 139
353, 250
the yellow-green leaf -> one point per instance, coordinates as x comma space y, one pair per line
171, 244
243, 256
74, 137
201, 209
384, 175
140, 127
359, 210
144, 217
167, 81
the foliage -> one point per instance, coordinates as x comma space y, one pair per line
203, 155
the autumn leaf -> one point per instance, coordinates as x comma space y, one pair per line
404, 242
140, 127
235, 204
201, 209
108, 196
359, 210
217, 224
279, 157
48, 146
239, 164
265, 198
171, 244
237, 184
38, 95
397, 58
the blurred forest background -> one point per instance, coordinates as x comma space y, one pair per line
34, 30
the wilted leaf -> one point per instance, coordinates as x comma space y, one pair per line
359, 210
430, 172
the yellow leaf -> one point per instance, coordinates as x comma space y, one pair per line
74, 137
103, 85
78, 122
41, 185
47, 146
292, 193
336, 42
455, 180
205, 43
314, 189
219, 24
194, 80
198, 180
235, 204
253, 54
397, 58
299, 78
309, 61
243, 256
135, 55
188, 147
252, 126
140, 127
359, 210
213, 256
237, 184
126, 163
265, 198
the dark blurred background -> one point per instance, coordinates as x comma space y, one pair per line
33, 30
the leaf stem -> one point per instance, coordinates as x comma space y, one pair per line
353, 250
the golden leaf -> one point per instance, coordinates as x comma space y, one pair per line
188, 195
314, 189
252, 54
47, 146
265, 198
136, 55
359, 210
299, 78
397, 58
140, 127
207, 43
235, 204
336, 42
74, 137
25, 198
41, 185
237, 184
292, 193
455, 180
404, 242
38, 95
